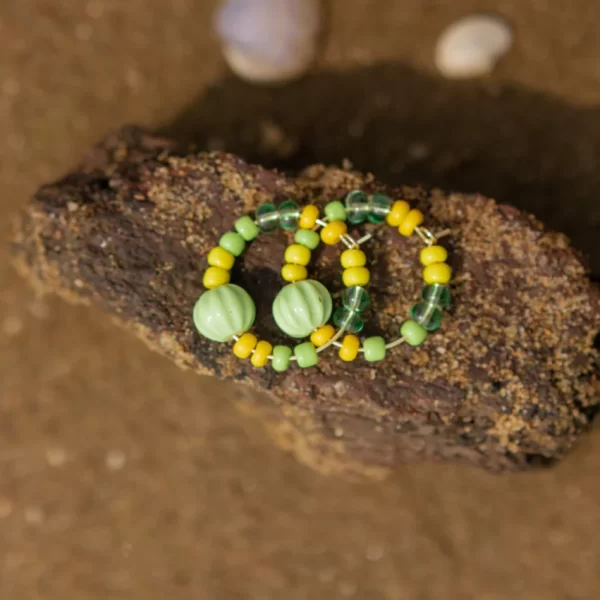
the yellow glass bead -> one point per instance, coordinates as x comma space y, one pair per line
433, 254
294, 272
296, 254
353, 258
331, 233
322, 335
245, 344
398, 213
350, 347
356, 276
412, 220
437, 273
214, 277
260, 356
308, 217
219, 257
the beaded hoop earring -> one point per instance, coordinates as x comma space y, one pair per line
226, 312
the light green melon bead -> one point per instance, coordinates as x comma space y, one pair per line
247, 228
233, 242
413, 333
281, 358
306, 355
335, 211
307, 238
374, 348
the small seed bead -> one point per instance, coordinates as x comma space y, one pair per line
308, 217
437, 273
307, 238
219, 257
335, 211
233, 242
332, 232
412, 220
281, 358
350, 347
245, 344
356, 276
294, 273
433, 254
322, 335
306, 355
413, 333
247, 228
297, 254
400, 209
374, 348
214, 277
353, 258
260, 356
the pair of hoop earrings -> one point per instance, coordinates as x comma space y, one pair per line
303, 307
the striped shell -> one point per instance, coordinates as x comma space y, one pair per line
223, 312
302, 307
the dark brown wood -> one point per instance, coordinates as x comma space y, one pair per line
509, 380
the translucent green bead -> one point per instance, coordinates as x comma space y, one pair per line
289, 214
357, 207
379, 208
437, 294
247, 228
306, 355
308, 238
281, 358
374, 348
335, 211
413, 333
351, 321
267, 216
233, 242
427, 315
355, 298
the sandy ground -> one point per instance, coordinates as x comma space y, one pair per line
122, 477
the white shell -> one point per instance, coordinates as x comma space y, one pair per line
471, 46
269, 41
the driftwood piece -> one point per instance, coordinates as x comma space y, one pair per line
509, 380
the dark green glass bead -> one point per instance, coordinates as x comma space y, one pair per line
355, 298
351, 321
357, 207
379, 208
437, 294
289, 213
427, 315
267, 216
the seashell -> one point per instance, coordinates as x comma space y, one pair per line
269, 41
223, 312
302, 307
471, 46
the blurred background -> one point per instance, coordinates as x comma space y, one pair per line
123, 477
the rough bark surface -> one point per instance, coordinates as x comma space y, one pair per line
509, 380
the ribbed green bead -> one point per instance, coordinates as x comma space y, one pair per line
357, 207
413, 333
355, 298
379, 208
308, 238
350, 320
247, 228
289, 213
306, 355
223, 312
427, 315
233, 242
281, 358
301, 307
437, 294
335, 211
374, 348
267, 216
